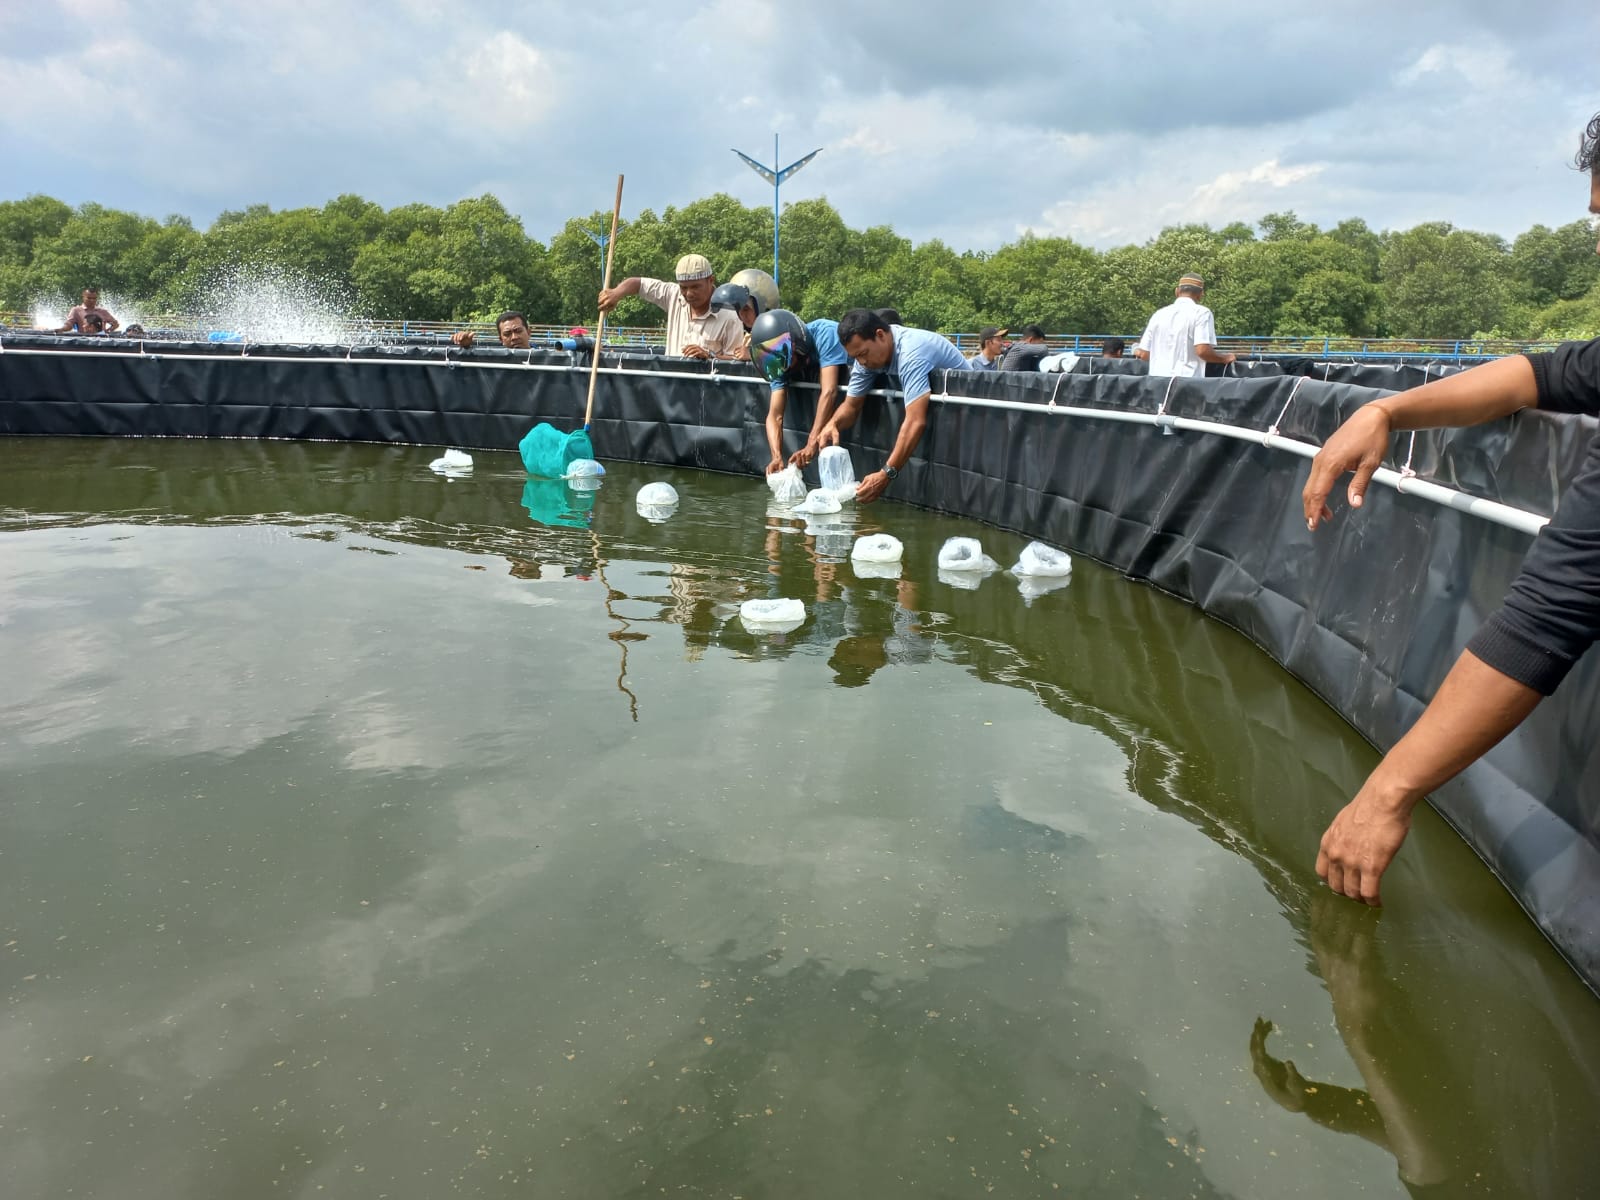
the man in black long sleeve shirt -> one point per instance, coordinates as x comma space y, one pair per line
1549, 618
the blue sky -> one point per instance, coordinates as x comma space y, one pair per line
940, 118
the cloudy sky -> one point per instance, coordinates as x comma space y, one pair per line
943, 119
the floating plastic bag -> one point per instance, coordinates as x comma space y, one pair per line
878, 548
584, 475
453, 464
818, 500
836, 470
1043, 561
656, 502
656, 495
787, 486
772, 616
966, 555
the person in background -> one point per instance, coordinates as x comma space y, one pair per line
694, 328
991, 346
89, 317
788, 352
1549, 619
910, 356
889, 316
1182, 337
511, 326
1025, 355
1112, 347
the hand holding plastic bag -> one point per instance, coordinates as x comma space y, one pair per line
787, 486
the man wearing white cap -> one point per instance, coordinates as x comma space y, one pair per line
694, 328
1182, 337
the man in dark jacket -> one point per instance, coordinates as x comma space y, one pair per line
1549, 618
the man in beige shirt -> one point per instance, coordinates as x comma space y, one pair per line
694, 328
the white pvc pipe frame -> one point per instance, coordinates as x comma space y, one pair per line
1404, 482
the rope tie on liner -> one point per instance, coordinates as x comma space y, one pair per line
1272, 430
1411, 446
1056, 391
1166, 425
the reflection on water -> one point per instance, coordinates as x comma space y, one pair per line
360, 833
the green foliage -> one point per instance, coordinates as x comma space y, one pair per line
472, 259
1440, 282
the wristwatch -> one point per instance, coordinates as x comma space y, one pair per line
891, 472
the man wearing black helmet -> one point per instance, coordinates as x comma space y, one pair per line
788, 352
742, 303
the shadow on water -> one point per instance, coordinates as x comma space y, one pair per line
742, 1006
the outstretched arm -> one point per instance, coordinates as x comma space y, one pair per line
911, 427
610, 296
775, 407
1475, 707
829, 378
1484, 393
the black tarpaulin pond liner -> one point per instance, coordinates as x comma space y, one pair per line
1369, 613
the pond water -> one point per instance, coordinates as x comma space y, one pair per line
363, 835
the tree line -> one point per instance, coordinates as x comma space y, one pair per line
472, 259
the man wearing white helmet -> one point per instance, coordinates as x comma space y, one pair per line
694, 328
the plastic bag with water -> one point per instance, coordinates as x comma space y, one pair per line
453, 464
877, 548
965, 554
657, 494
836, 470
818, 500
787, 486
772, 616
1041, 561
584, 475
657, 502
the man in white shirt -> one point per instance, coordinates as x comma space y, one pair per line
694, 328
1182, 337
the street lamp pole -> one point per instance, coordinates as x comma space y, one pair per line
600, 239
776, 176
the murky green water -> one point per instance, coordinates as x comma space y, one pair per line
360, 836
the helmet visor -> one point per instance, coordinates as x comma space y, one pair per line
774, 357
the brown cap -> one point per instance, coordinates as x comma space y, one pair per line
1192, 281
989, 331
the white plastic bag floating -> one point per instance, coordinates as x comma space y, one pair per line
787, 486
656, 513
452, 463
965, 554
772, 616
584, 475
656, 495
818, 500
1043, 561
867, 569
836, 470
877, 547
